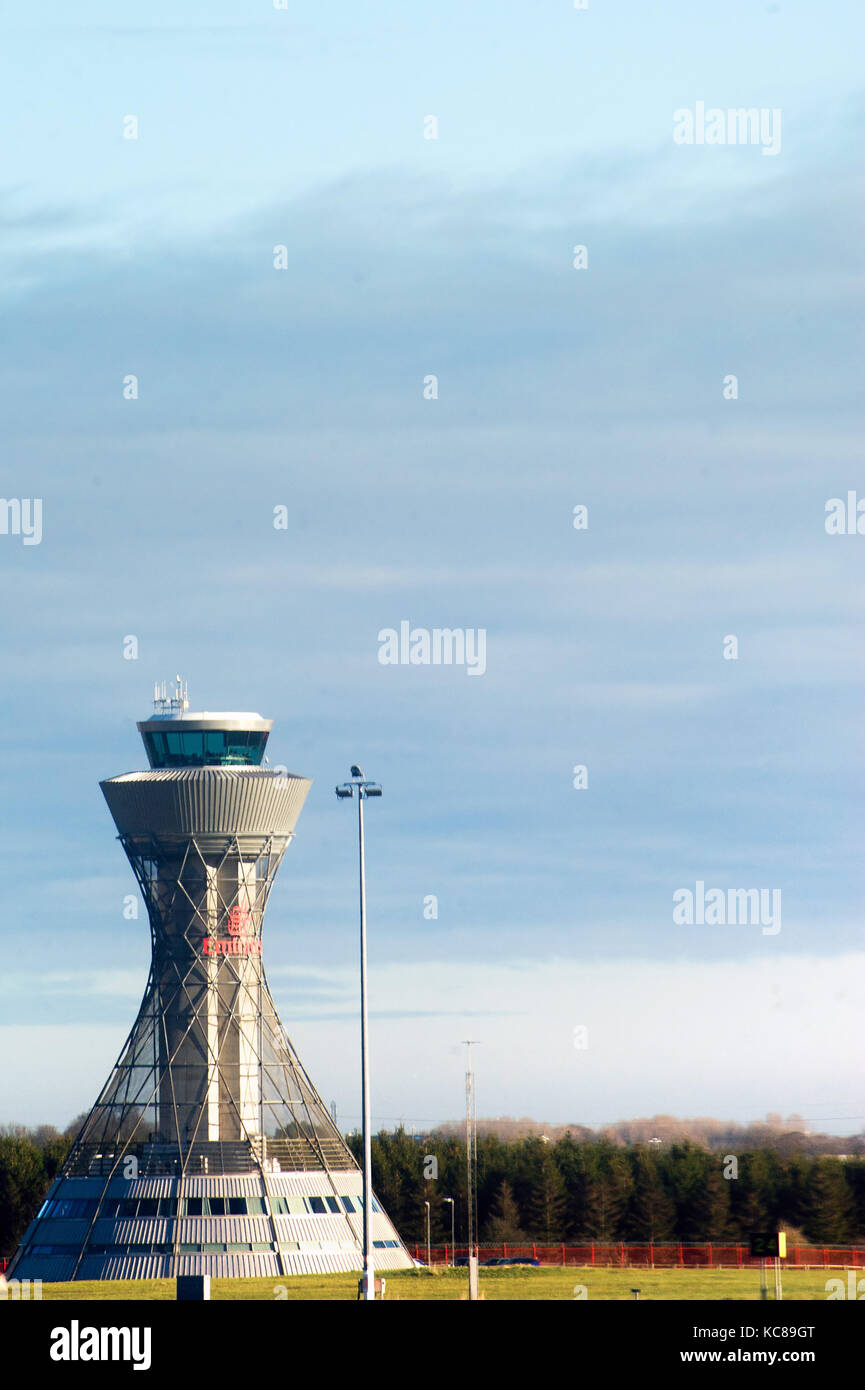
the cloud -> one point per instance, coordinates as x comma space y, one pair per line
16, 985
737, 1039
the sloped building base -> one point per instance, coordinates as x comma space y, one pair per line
231, 1227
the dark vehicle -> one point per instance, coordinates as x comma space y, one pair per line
462, 1261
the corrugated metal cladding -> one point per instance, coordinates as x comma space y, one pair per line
224, 1187
332, 1262
382, 1226
306, 1228
198, 1230
142, 1187
140, 1231
125, 1267
315, 1184
323, 1262
229, 1266
393, 1259
56, 1269
206, 801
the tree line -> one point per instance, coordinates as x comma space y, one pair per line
528, 1190
577, 1192
30, 1160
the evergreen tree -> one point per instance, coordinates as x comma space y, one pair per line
576, 1166
830, 1211
503, 1225
856, 1181
547, 1207
604, 1210
651, 1215
713, 1210
754, 1204
793, 1197
700, 1193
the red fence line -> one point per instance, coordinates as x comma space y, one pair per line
668, 1256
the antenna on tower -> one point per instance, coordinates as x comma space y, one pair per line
176, 703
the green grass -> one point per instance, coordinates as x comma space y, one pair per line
520, 1284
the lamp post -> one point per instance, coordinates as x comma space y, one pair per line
364, 789
453, 1228
428, 1244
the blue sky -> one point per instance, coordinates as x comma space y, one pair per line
304, 388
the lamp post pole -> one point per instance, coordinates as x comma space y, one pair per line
453, 1228
368, 1268
363, 790
428, 1242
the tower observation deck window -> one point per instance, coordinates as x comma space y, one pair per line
204, 747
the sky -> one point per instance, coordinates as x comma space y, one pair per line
307, 388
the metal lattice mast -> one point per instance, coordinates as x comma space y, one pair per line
471, 1149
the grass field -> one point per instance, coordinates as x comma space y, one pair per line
514, 1284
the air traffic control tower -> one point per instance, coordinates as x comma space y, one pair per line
209, 1150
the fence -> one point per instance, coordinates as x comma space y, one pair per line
708, 1256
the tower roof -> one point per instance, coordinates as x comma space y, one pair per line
177, 737
224, 719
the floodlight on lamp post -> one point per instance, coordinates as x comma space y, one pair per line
363, 789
